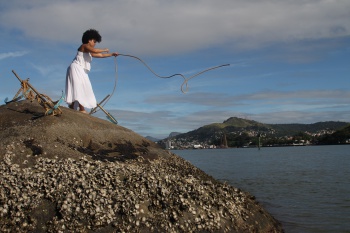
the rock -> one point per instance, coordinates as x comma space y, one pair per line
76, 172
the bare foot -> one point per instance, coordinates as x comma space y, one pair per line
83, 111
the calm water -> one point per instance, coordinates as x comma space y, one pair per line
306, 188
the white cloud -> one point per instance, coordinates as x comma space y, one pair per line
168, 27
301, 117
12, 54
273, 97
308, 94
47, 70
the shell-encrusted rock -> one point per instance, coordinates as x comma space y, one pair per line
42, 190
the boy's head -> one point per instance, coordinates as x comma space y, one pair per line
90, 35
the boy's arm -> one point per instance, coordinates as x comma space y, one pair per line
103, 55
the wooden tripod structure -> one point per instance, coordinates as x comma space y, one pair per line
30, 93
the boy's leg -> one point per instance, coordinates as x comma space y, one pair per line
74, 105
81, 108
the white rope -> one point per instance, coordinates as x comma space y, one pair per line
184, 84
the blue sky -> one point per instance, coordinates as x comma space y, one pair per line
289, 59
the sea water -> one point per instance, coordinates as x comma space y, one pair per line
306, 188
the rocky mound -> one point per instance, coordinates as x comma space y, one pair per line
78, 173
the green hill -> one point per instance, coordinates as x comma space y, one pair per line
242, 132
341, 136
241, 123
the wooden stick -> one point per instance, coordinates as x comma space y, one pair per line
99, 104
108, 114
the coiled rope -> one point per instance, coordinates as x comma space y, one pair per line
184, 85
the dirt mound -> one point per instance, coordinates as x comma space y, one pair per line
78, 173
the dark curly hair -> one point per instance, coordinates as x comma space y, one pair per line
91, 34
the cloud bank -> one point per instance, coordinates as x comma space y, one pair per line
160, 27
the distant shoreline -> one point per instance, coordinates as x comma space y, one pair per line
250, 147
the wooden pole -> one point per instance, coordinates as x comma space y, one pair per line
98, 105
108, 114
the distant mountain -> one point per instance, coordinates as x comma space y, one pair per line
153, 139
240, 132
239, 122
173, 134
215, 130
290, 129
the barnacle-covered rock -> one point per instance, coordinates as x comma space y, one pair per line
78, 173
